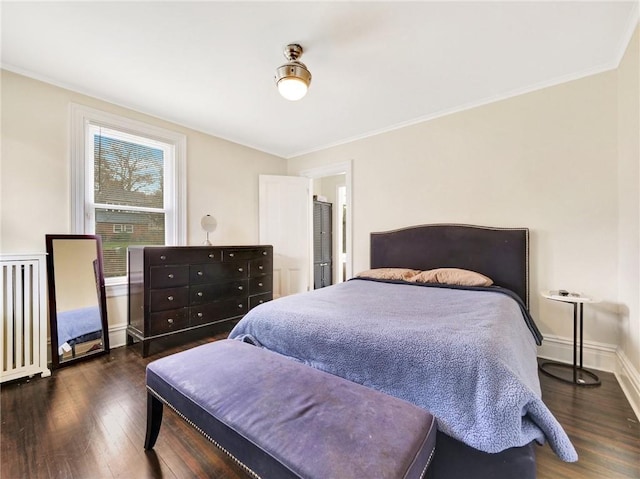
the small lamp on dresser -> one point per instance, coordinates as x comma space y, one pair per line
209, 224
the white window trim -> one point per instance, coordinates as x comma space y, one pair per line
81, 116
119, 228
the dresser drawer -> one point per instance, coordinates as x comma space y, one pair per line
169, 298
168, 321
181, 255
259, 285
217, 272
216, 311
205, 293
259, 299
245, 253
260, 266
168, 276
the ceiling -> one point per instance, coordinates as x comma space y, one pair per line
376, 65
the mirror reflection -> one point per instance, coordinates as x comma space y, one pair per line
77, 306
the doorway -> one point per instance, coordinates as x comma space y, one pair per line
285, 217
333, 184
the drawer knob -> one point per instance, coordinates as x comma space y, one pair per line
240, 288
200, 315
163, 257
200, 273
170, 298
200, 293
241, 269
261, 301
170, 275
260, 284
264, 253
231, 255
211, 255
240, 306
260, 267
170, 320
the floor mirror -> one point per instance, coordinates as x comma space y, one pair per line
77, 304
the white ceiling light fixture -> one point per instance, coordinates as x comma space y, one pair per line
293, 78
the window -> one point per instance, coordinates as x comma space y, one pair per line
128, 185
128, 228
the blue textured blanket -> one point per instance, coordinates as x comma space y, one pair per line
467, 356
77, 322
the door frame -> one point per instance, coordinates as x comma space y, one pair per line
344, 168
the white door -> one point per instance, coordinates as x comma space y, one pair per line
285, 222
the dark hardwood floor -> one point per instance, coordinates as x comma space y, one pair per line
88, 421
601, 425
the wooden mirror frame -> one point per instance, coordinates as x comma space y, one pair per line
53, 311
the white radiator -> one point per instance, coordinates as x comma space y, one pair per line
23, 335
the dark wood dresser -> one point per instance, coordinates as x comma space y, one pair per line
173, 289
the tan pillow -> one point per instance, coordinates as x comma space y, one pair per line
389, 273
461, 277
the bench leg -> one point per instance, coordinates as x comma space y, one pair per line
154, 420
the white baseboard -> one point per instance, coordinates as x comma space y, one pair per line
117, 335
629, 379
595, 355
600, 356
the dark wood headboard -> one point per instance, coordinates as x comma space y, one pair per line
502, 254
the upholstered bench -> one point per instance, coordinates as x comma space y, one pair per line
282, 419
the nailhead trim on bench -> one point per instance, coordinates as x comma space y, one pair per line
215, 443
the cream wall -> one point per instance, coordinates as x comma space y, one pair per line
74, 274
328, 187
546, 160
629, 216
222, 177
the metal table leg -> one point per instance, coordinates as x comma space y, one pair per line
581, 376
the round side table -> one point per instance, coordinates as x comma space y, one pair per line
581, 376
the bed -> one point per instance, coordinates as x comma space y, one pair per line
465, 353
